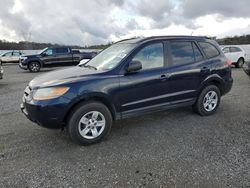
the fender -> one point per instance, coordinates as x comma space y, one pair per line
102, 97
35, 59
213, 78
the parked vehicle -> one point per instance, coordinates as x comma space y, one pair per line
11, 57
246, 68
236, 54
1, 70
130, 78
53, 57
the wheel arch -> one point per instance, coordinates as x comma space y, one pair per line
93, 97
213, 80
35, 60
241, 58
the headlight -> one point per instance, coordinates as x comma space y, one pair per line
49, 93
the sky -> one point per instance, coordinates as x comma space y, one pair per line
93, 22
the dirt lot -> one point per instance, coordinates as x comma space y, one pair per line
175, 148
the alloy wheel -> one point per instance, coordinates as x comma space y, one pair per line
91, 125
210, 101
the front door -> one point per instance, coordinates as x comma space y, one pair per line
49, 57
143, 89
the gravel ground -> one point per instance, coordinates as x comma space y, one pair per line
175, 148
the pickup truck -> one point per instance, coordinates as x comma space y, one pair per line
53, 57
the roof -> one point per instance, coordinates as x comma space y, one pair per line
146, 39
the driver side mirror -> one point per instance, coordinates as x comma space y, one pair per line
134, 66
44, 54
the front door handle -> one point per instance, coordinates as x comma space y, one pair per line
205, 69
165, 76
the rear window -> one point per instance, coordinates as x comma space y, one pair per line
209, 49
184, 52
62, 50
235, 49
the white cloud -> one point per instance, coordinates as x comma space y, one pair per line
86, 22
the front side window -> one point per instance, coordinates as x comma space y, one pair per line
8, 54
151, 56
50, 51
226, 50
209, 49
182, 52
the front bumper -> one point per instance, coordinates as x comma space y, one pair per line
22, 66
49, 114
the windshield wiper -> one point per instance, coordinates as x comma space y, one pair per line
90, 66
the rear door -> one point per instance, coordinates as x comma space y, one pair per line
236, 53
64, 57
185, 71
227, 53
16, 56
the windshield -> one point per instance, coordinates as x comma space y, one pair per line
110, 57
43, 50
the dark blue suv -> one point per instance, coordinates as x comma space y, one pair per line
130, 78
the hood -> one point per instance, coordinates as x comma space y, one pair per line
30, 56
62, 76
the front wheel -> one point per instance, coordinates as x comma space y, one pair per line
208, 101
89, 123
34, 66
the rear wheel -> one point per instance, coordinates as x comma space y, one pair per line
34, 66
240, 63
89, 123
208, 101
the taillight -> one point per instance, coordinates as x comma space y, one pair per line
229, 62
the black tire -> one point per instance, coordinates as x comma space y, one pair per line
240, 63
199, 107
34, 66
78, 113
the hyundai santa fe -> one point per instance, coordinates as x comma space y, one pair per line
130, 78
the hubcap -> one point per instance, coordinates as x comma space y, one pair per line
210, 101
91, 125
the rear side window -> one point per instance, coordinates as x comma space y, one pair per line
235, 49
197, 53
62, 50
16, 53
182, 52
209, 49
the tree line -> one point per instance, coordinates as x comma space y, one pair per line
25, 45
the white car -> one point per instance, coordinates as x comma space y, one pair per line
11, 57
236, 54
